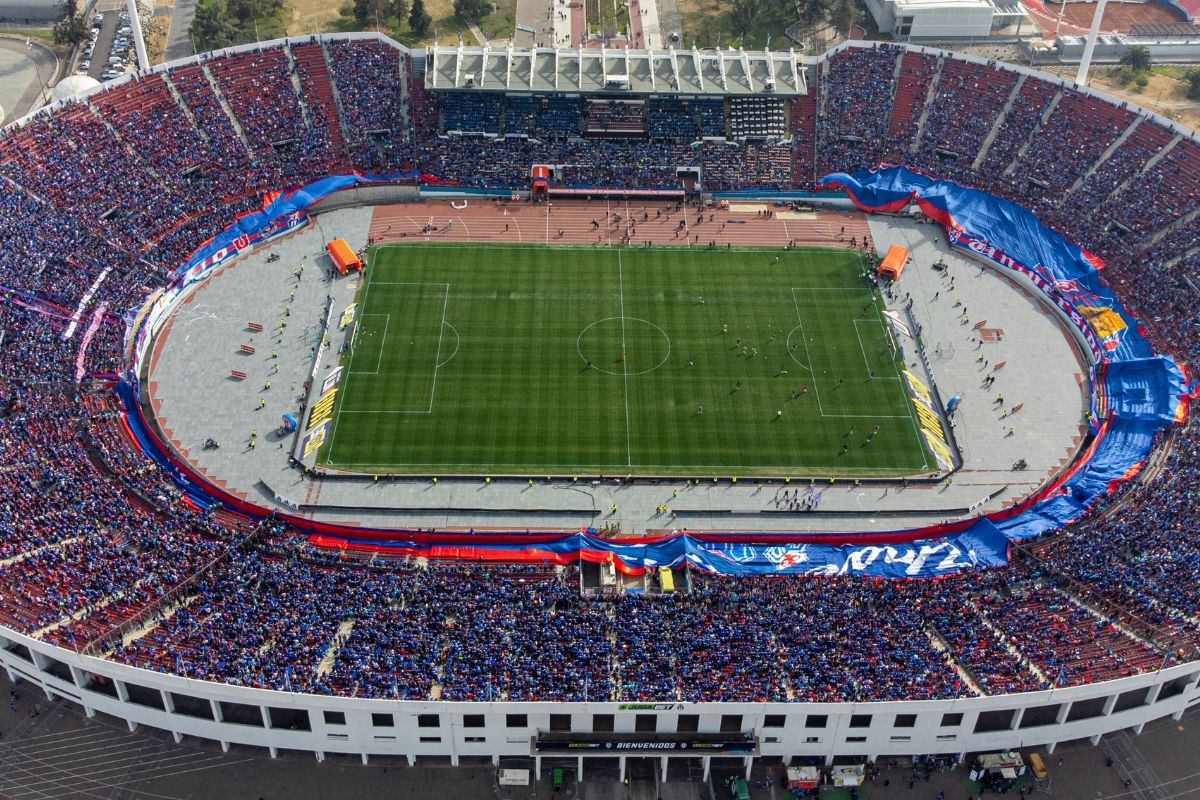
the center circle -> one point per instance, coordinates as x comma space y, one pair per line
623, 346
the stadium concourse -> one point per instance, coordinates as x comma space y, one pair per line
105, 197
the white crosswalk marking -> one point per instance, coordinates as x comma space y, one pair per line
96, 762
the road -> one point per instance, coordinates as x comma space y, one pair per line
23, 69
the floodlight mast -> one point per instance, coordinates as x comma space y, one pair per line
139, 44
1085, 64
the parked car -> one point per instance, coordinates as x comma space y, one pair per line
84, 66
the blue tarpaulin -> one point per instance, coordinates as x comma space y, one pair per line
1137, 394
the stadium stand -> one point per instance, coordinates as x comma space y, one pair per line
917, 72
91, 535
468, 113
1022, 115
856, 101
952, 139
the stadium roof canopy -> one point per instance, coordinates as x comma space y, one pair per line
718, 73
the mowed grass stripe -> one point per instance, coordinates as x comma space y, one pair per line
409, 335
518, 395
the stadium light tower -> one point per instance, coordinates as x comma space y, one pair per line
139, 44
1085, 64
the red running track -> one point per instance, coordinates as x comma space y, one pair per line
581, 222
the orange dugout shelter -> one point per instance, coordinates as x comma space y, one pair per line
343, 256
893, 263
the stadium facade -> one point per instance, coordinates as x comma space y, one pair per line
583, 730
287, 720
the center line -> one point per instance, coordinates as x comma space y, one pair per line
624, 362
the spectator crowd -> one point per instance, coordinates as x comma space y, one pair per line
101, 200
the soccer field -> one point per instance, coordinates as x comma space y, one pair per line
544, 360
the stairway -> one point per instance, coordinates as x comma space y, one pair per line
187, 112
1157, 236
1149, 165
928, 104
1053, 104
998, 125
131, 636
314, 89
216, 90
129, 151
1001, 637
1112, 148
939, 644
335, 646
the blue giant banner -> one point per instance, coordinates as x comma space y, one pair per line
1136, 394
983, 545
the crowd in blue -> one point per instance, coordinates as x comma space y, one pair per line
101, 200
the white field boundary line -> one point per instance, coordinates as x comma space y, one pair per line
331, 437
907, 400
816, 382
569, 469
437, 358
437, 361
808, 353
624, 362
862, 348
387, 319
571, 246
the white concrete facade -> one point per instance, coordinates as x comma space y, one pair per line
431, 729
933, 19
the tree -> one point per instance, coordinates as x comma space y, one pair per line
419, 19
209, 27
472, 9
1137, 58
400, 11
843, 15
812, 11
1193, 79
72, 27
372, 12
741, 19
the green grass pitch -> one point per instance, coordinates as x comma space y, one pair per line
554, 360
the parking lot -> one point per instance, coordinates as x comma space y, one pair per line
110, 53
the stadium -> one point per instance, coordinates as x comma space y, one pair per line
586, 515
